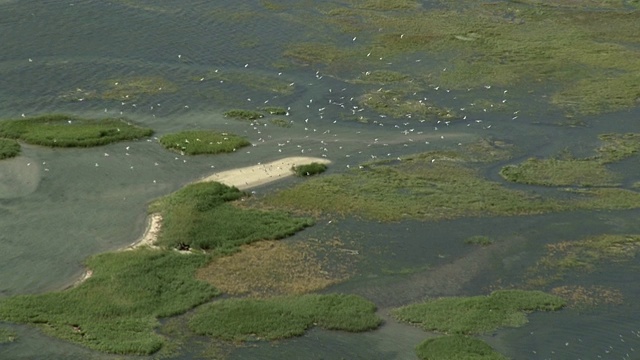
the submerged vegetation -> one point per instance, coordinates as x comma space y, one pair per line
69, 131
478, 314
128, 89
203, 142
117, 309
283, 317
201, 216
9, 148
456, 347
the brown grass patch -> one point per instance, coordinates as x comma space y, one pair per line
269, 268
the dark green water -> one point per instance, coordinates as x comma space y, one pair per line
59, 206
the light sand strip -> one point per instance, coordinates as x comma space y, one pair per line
256, 175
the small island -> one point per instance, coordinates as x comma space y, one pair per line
57, 130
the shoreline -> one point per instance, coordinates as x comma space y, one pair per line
242, 178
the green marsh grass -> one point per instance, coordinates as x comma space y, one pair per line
117, 309
203, 142
202, 216
9, 148
69, 131
435, 186
456, 347
244, 114
478, 314
283, 317
309, 169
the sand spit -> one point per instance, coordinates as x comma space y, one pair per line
242, 178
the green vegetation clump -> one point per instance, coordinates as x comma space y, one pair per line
479, 240
203, 142
244, 114
116, 310
309, 169
202, 216
456, 347
70, 131
478, 314
9, 148
556, 172
283, 317
7, 336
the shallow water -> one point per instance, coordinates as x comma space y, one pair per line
60, 206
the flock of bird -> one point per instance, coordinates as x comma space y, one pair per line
326, 116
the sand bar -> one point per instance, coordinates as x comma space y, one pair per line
256, 175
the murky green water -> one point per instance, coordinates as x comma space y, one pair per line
60, 206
